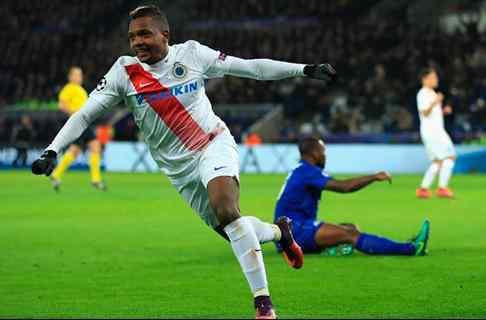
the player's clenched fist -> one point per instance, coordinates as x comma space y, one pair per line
447, 110
321, 71
45, 164
383, 176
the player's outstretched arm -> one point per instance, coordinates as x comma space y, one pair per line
355, 184
214, 64
71, 130
267, 69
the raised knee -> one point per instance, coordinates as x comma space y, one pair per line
353, 235
226, 211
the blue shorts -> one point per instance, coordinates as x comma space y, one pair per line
304, 234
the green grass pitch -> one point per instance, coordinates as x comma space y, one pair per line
139, 251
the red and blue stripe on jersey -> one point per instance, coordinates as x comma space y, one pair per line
170, 110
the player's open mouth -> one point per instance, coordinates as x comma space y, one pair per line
142, 52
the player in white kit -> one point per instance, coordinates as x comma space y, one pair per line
437, 142
164, 88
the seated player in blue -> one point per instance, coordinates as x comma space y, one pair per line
299, 200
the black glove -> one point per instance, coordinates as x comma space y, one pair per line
45, 164
321, 71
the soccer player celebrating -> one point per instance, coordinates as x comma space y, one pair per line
299, 201
163, 85
437, 142
71, 98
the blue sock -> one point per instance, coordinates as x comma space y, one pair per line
372, 244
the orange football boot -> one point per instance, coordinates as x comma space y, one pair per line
423, 193
444, 193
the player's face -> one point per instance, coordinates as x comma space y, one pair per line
147, 40
321, 154
432, 80
76, 76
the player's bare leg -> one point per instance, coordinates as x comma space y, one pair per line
329, 235
424, 191
444, 176
94, 165
224, 199
71, 154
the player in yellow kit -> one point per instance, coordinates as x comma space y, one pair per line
71, 98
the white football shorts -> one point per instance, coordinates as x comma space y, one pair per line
438, 145
219, 159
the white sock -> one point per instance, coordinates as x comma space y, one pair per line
265, 232
445, 172
249, 253
429, 175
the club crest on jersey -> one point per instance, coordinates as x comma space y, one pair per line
222, 56
179, 70
101, 85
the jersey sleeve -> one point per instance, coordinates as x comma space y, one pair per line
318, 180
424, 99
110, 89
210, 62
214, 64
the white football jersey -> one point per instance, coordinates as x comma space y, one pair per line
435, 120
168, 100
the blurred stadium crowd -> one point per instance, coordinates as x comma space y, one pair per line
378, 58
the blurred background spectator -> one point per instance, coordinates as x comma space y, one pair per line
23, 136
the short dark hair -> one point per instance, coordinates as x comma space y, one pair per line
307, 145
425, 72
151, 11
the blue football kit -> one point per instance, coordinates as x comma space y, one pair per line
299, 201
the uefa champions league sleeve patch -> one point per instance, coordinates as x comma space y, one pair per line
179, 70
222, 56
101, 85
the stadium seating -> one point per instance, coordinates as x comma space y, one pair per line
377, 59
